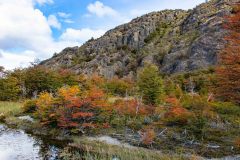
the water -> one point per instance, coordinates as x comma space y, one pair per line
17, 145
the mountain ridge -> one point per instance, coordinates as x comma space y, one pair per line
175, 40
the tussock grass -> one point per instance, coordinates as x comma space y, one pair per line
10, 108
96, 150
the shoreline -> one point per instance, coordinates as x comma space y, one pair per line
80, 143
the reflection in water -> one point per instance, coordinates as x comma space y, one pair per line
17, 145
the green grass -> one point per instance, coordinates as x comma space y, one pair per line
9, 109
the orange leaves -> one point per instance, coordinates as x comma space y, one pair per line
177, 114
89, 125
72, 124
228, 73
97, 98
95, 93
176, 110
130, 107
95, 79
71, 108
80, 108
173, 101
148, 136
106, 125
82, 115
237, 143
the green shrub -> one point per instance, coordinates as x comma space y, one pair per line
9, 89
194, 103
117, 86
226, 108
29, 106
197, 126
150, 84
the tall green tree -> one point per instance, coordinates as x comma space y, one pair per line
9, 88
39, 79
150, 84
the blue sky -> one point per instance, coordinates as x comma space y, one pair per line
33, 29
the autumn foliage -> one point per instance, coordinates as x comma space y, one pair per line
78, 108
71, 107
148, 136
237, 143
45, 108
131, 107
176, 113
228, 73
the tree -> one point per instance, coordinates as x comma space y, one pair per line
39, 79
9, 89
118, 86
10, 85
78, 109
228, 72
150, 84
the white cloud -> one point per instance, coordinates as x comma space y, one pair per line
64, 15
53, 22
69, 21
11, 60
82, 35
101, 10
22, 26
41, 2
25, 34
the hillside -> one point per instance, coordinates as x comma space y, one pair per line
175, 40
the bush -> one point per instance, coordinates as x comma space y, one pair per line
29, 106
226, 108
46, 111
237, 143
117, 86
148, 136
177, 115
150, 85
131, 108
197, 126
10, 89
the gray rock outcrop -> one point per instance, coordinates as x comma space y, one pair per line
175, 40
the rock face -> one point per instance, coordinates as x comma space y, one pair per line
175, 40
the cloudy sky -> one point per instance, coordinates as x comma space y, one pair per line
31, 29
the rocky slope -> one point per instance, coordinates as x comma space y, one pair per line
175, 40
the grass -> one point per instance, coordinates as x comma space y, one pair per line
95, 150
9, 109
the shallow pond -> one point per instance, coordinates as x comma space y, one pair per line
18, 145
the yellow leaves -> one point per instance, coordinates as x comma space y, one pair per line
67, 92
45, 99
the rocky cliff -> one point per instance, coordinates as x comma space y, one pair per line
175, 40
